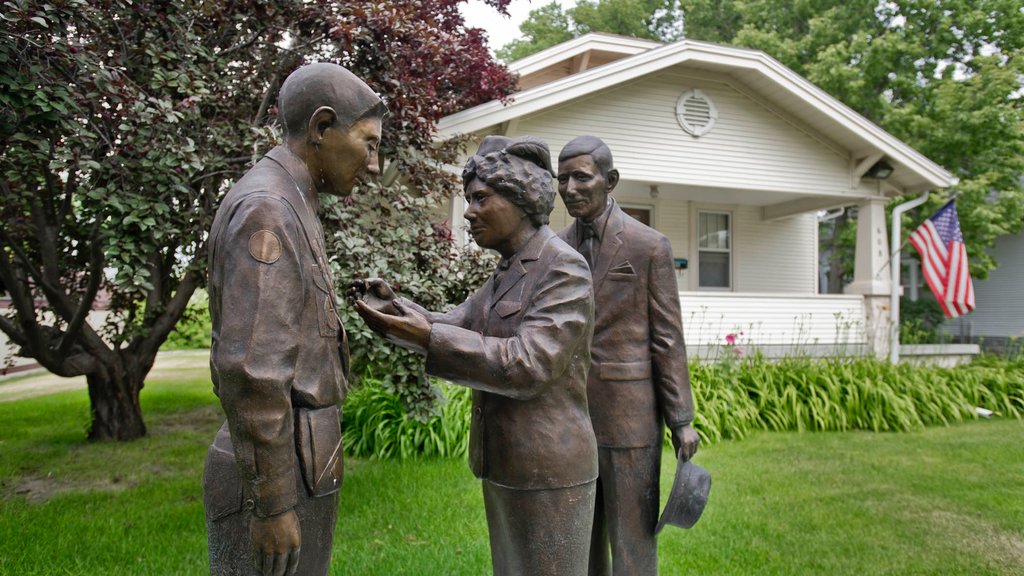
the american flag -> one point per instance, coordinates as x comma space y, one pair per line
944, 261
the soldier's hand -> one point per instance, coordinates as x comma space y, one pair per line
278, 541
685, 440
409, 327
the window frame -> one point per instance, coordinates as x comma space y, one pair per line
730, 251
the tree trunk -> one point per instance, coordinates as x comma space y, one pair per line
116, 413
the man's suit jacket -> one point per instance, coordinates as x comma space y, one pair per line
278, 343
638, 375
524, 347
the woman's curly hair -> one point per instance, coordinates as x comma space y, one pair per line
520, 171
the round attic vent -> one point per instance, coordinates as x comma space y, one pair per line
696, 112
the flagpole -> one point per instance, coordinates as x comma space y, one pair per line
895, 266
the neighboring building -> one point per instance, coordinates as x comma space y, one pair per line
997, 321
731, 155
10, 362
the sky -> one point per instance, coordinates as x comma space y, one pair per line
501, 30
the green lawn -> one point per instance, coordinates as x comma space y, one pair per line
940, 501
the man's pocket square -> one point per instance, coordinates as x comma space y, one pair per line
623, 268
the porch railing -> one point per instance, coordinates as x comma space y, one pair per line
776, 324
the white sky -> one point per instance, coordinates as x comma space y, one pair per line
501, 30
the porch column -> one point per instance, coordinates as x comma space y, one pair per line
871, 274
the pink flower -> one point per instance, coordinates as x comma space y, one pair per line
730, 339
739, 351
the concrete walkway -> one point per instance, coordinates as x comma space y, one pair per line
41, 383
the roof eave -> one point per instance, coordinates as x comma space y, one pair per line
571, 87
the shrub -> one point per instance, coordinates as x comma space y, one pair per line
194, 329
850, 394
420, 259
376, 424
800, 394
923, 322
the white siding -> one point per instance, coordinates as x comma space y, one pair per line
1000, 297
750, 147
776, 256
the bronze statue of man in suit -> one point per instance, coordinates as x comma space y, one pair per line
522, 343
279, 356
639, 380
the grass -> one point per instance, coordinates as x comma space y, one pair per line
942, 500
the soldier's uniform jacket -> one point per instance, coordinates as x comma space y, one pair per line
522, 342
279, 351
639, 377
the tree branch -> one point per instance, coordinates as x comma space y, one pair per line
244, 44
24, 304
47, 277
91, 289
11, 330
163, 325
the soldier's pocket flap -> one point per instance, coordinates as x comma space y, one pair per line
321, 281
507, 308
625, 370
222, 486
327, 314
318, 435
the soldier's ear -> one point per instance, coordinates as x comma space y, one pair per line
322, 118
611, 178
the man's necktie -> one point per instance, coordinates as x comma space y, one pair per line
588, 244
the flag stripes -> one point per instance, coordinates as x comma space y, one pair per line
940, 244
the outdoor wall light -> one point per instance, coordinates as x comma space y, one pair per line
880, 170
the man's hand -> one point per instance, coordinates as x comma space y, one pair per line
278, 541
408, 327
376, 293
685, 440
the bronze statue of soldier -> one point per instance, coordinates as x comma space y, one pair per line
522, 343
279, 355
639, 379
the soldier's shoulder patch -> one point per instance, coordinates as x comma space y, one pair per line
265, 246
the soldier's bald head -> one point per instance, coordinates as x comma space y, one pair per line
320, 84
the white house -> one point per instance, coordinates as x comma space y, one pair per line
731, 155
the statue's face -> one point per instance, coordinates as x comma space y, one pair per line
582, 187
346, 156
494, 221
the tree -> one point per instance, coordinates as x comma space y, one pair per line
550, 25
543, 28
942, 75
122, 124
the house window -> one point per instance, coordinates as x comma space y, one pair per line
641, 213
714, 250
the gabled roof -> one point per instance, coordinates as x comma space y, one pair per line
594, 41
768, 77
